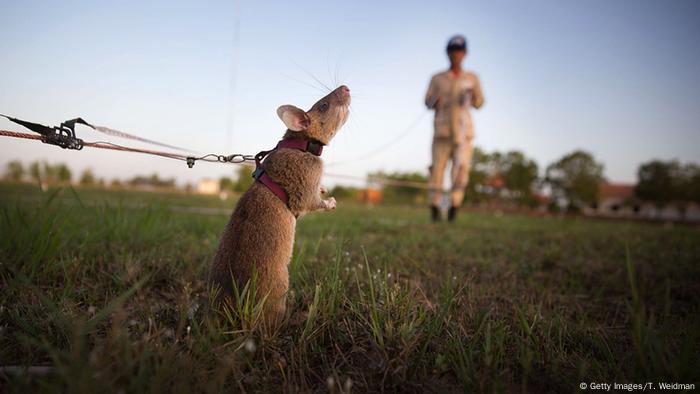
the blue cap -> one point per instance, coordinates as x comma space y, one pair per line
457, 42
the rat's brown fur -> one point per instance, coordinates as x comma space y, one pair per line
259, 238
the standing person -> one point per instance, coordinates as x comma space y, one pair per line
451, 93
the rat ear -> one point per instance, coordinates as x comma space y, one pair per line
294, 118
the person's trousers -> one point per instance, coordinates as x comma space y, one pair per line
461, 156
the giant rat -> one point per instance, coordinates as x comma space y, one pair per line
259, 237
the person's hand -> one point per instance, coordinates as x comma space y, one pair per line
434, 103
465, 97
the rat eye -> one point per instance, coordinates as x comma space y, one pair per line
323, 107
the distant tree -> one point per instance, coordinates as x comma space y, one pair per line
35, 171
344, 192
668, 183
520, 175
516, 172
50, 173
63, 173
15, 171
87, 178
45, 173
687, 187
226, 183
167, 183
575, 178
400, 194
659, 182
478, 175
116, 183
243, 178
691, 188
152, 180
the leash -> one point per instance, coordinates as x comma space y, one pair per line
65, 137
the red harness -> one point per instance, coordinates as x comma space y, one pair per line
313, 147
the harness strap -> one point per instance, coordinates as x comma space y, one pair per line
274, 187
313, 147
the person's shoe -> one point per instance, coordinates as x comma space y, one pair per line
452, 213
435, 213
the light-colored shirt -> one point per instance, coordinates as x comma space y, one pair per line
451, 96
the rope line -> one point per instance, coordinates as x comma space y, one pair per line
67, 132
213, 158
383, 181
375, 151
121, 134
8, 133
100, 145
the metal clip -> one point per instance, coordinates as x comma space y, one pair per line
315, 148
64, 135
258, 173
190, 161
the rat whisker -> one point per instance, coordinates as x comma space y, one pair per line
312, 76
354, 119
328, 69
337, 73
304, 83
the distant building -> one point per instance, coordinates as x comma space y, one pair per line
542, 202
496, 182
619, 200
494, 185
692, 213
615, 197
208, 186
370, 196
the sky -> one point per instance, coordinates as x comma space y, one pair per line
618, 79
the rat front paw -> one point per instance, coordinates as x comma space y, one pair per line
329, 204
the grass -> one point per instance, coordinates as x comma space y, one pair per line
113, 298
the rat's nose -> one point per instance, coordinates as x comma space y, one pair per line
342, 94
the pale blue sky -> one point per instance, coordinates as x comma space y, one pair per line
619, 79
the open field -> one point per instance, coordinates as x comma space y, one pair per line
112, 298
